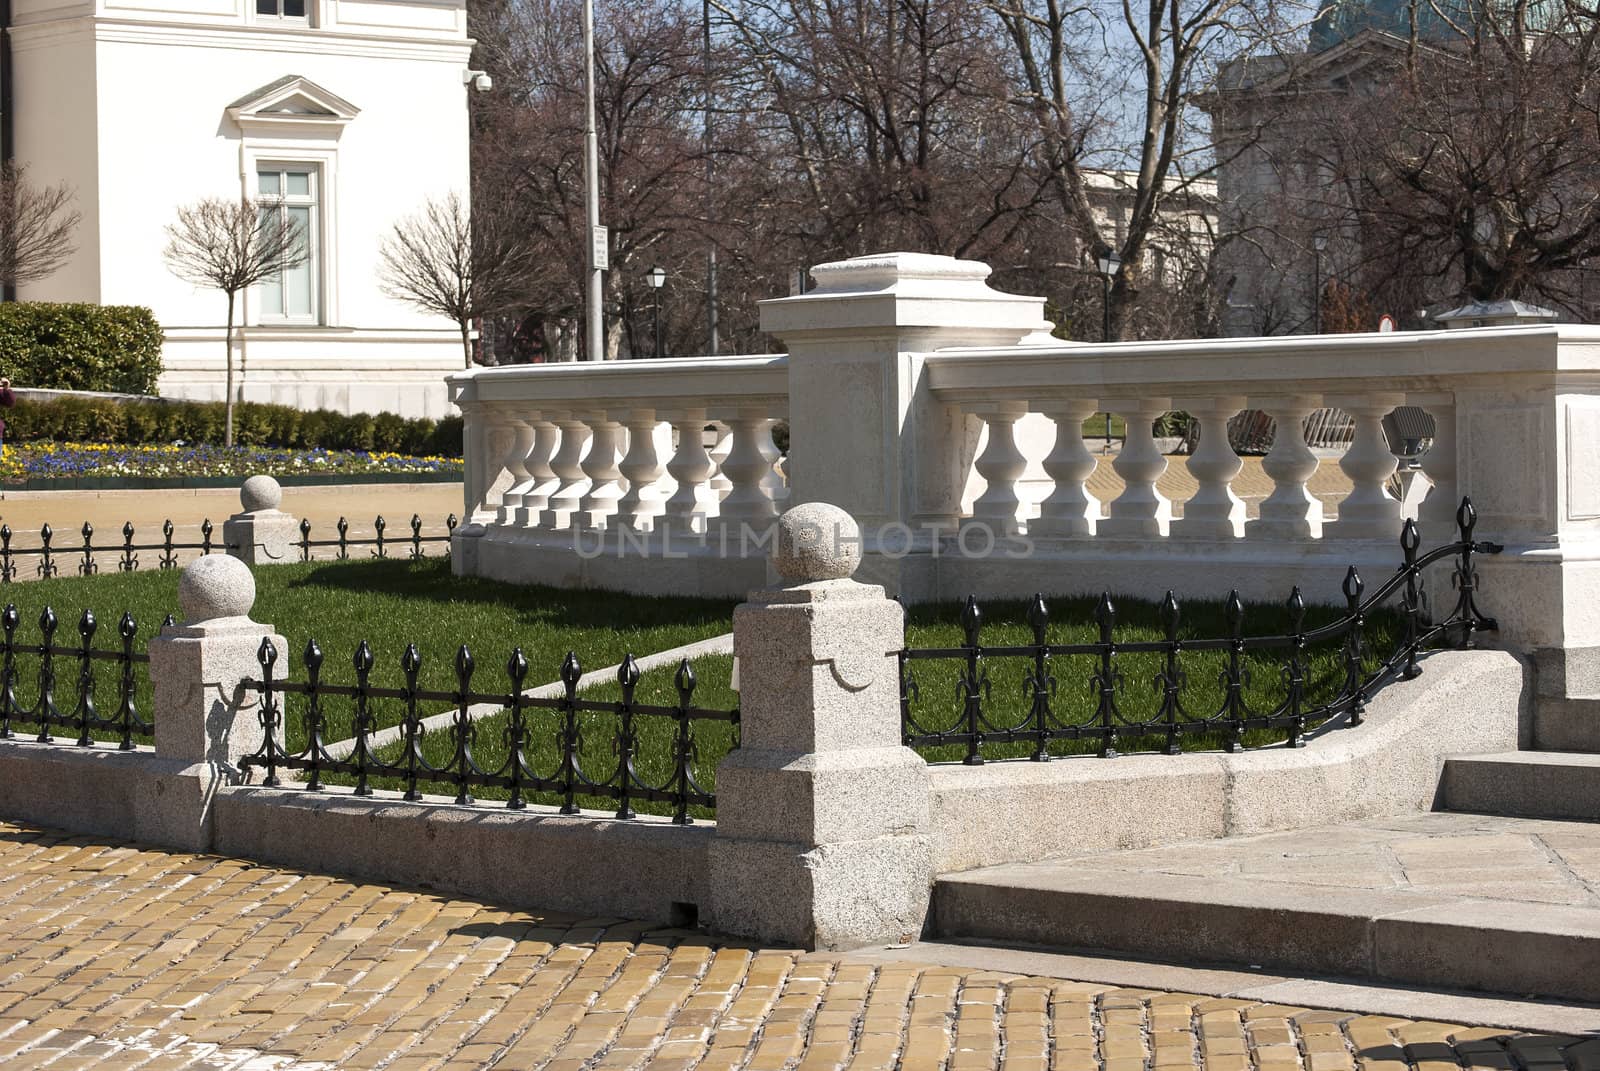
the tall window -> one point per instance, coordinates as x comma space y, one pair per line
290, 192
281, 9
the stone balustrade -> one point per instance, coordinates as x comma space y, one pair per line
652, 461
947, 420
1040, 396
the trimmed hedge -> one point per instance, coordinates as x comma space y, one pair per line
80, 347
103, 420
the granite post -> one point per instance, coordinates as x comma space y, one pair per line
261, 533
205, 720
823, 835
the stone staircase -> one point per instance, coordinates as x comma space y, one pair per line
1558, 775
1499, 890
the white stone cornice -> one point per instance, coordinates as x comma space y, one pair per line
228, 36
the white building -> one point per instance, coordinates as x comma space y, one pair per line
349, 113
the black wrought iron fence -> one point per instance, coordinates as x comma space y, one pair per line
126, 553
88, 554
379, 541
38, 668
1349, 677
554, 729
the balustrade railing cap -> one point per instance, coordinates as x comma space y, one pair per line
816, 541
906, 292
215, 587
881, 270
260, 493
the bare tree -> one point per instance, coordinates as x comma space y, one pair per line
36, 225
1112, 84
445, 261
1447, 156
231, 246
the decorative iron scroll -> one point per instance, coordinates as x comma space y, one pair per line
976, 723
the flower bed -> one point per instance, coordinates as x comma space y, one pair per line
50, 461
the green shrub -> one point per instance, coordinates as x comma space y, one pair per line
80, 346
105, 420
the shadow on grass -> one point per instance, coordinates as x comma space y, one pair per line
430, 580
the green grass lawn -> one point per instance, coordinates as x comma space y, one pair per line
939, 706
390, 603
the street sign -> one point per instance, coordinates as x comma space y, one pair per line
600, 248
1386, 323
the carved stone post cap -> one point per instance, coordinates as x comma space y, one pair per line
216, 586
260, 493
817, 541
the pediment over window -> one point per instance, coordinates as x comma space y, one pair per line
292, 100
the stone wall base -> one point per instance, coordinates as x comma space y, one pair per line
645, 868
1465, 702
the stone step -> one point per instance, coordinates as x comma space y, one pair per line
1450, 900
1566, 723
1528, 784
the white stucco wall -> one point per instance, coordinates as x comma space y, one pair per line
131, 108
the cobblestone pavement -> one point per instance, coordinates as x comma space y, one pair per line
116, 956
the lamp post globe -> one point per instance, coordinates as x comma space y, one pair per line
658, 278
1109, 264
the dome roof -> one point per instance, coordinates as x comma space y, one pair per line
1341, 20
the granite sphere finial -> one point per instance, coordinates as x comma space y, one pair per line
817, 541
215, 586
260, 492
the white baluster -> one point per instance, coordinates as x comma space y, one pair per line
546, 439
1369, 511
1140, 511
691, 466
1214, 511
568, 468
776, 480
1290, 511
719, 454
643, 502
599, 502
1069, 509
750, 456
1001, 465
486, 439
523, 437
1436, 517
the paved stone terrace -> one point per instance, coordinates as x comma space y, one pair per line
117, 956
1432, 856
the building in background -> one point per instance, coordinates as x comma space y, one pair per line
345, 114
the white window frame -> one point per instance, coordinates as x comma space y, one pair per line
280, 154
312, 201
293, 22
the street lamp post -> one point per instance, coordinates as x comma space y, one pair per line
594, 290
657, 277
1319, 245
1109, 263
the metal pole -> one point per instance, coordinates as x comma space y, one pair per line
657, 327
705, 147
1316, 290
1105, 334
591, 174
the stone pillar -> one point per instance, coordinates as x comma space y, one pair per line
205, 721
823, 834
867, 432
261, 533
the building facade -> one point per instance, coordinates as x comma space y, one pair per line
345, 115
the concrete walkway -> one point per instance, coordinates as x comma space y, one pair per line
66, 511
115, 956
